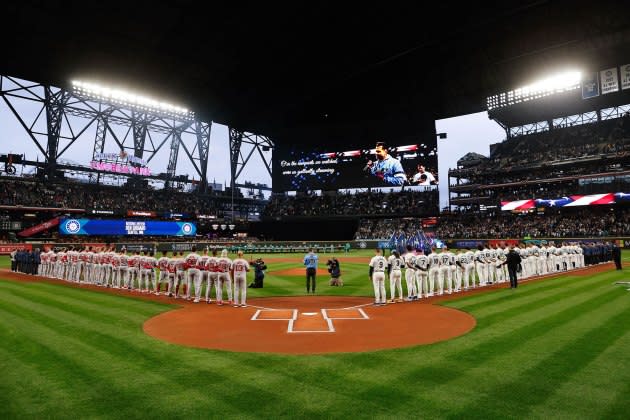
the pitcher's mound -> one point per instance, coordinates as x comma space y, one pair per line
309, 324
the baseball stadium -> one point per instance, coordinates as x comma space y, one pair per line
263, 211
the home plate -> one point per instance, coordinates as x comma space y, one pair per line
309, 313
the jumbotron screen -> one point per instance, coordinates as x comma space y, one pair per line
382, 165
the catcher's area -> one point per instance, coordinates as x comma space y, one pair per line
309, 324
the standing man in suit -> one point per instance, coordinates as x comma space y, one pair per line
616, 254
512, 261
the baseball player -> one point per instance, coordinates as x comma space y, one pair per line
108, 267
180, 273
378, 265
147, 273
88, 275
445, 271
73, 259
123, 268
434, 270
461, 261
52, 263
551, 258
480, 266
394, 267
131, 270
490, 264
172, 273
422, 272
162, 264
42, 267
202, 265
82, 272
225, 265
115, 259
240, 267
193, 274
213, 276
410, 273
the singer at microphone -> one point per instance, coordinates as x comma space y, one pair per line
386, 167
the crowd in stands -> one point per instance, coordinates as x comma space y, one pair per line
68, 195
364, 203
550, 190
385, 228
587, 222
607, 141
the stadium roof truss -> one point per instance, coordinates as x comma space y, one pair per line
145, 131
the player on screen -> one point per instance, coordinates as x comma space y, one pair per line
423, 177
386, 167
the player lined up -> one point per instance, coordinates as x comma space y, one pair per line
445, 271
136, 272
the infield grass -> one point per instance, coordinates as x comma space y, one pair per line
556, 348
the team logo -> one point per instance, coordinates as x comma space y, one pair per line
187, 228
362, 245
73, 226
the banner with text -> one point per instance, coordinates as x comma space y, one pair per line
625, 76
125, 227
39, 228
590, 86
609, 80
7, 249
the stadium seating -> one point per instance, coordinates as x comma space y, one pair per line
581, 159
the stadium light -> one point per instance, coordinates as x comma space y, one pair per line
558, 83
130, 99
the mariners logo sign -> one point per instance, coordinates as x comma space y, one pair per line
187, 229
73, 226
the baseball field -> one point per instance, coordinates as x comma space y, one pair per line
553, 348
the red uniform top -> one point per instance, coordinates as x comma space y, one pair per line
192, 260
163, 263
202, 263
148, 263
213, 264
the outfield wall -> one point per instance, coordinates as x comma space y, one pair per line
295, 246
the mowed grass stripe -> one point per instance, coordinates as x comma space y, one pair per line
141, 372
526, 320
70, 290
525, 289
94, 375
143, 361
458, 368
482, 345
600, 389
516, 304
35, 390
567, 350
116, 315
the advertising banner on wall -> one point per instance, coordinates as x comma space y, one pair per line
6, 249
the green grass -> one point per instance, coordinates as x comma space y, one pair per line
551, 349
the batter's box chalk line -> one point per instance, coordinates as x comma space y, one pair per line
295, 313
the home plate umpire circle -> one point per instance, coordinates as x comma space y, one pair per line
309, 325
